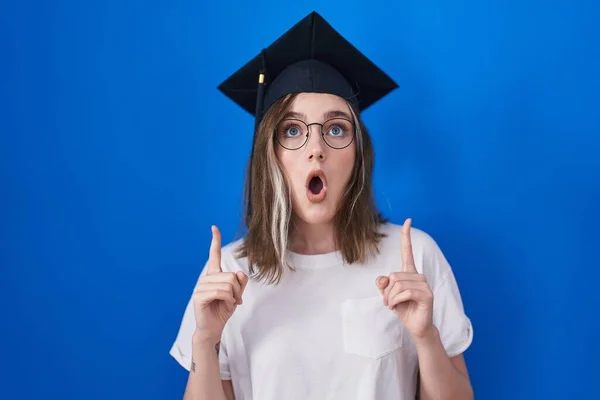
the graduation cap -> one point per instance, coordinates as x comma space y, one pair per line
310, 57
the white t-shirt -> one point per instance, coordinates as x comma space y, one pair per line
323, 333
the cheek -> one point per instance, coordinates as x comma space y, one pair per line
285, 160
345, 163
290, 164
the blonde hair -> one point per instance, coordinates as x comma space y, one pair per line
268, 221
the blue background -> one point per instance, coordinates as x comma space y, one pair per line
117, 153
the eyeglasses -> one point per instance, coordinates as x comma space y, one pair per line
292, 134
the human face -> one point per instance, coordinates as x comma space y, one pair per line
316, 202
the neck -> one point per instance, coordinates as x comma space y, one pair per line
312, 239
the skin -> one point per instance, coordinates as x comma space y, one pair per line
406, 292
313, 231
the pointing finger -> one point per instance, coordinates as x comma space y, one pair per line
408, 261
214, 258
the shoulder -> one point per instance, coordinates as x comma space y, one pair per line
421, 240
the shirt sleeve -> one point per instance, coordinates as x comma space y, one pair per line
181, 349
455, 327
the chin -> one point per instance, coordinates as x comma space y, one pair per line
316, 214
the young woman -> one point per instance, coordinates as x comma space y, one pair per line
322, 298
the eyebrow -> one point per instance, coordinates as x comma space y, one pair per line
336, 114
327, 115
296, 115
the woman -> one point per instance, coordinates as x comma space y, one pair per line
322, 298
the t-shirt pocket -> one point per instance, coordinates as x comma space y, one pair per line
370, 329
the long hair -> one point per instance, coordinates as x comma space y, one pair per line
268, 220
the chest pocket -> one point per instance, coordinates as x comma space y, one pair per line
369, 328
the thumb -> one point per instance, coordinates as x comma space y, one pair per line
243, 279
382, 282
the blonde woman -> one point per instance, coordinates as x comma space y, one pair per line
322, 298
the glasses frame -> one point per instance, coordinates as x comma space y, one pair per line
276, 136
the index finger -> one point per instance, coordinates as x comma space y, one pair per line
214, 257
408, 261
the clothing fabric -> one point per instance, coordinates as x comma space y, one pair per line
323, 333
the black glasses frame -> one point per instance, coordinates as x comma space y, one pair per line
276, 136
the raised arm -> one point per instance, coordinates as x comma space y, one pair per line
408, 293
215, 300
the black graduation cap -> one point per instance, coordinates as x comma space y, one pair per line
310, 57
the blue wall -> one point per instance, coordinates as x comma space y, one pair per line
117, 153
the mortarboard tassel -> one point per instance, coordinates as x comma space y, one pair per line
260, 94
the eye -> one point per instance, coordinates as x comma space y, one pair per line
336, 130
293, 131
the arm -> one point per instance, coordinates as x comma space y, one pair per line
214, 301
441, 377
204, 380
436, 331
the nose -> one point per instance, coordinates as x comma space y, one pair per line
316, 149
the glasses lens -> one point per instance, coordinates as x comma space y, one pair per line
338, 133
291, 133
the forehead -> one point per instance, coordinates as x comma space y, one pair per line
316, 104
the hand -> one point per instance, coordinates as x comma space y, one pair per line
217, 294
407, 292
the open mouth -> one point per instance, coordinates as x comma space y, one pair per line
316, 186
